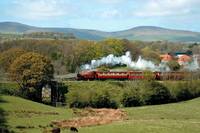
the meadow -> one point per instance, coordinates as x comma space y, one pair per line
29, 117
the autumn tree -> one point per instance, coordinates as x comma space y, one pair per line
7, 57
83, 52
150, 54
112, 46
31, 71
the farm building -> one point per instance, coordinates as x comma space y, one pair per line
166, 57
184, 59
181, 57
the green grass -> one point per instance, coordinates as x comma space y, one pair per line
16, 109
183, 117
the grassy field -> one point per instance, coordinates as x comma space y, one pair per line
27, 116
181, 117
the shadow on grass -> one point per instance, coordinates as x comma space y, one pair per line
3, 123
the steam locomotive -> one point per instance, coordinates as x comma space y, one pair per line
132, 75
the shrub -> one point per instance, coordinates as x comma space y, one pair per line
131, 99
92, 94
173, 65
183, 94
112, 94
160, 93
194, 87
142, 93
103, 100
183, 90
100, 99
9, 89
76, 99
79, 104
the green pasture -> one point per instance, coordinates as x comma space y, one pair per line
22, 115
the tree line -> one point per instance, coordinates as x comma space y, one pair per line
68, 55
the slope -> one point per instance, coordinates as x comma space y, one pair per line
181, 117
28, 116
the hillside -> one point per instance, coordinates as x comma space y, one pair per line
28, 115
181, 117
144, 33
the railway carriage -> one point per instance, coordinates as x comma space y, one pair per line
132, 75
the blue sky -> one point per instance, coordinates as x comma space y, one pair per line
106, 15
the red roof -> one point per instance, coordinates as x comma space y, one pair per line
166, 57
184, 58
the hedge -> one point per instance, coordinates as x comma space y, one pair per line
9, 89
114, 94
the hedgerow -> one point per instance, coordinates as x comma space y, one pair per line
115, 94
9, 89
112, 94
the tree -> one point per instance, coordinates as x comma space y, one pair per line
150, 54
133, 48
31, 71
173, 65
159, 94
112, 46
83, 52
7, 57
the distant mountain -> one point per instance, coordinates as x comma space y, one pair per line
144, 33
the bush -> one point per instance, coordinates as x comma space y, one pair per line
76, 99
112, 94
194, 87
173, 65
160, 93
103, 100
143, 93
93, 94
9, 89
183, 90
131, 99
183, 94
100, 99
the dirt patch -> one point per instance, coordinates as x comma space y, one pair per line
90, 117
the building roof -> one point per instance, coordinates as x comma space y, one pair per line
166, 57
189, 53
184, 58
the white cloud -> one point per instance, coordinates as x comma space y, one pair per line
110, 13
39, 9
110, 1
166, 7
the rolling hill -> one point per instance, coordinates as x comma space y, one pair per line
21, 115
144, 33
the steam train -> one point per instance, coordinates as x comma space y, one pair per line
133, 75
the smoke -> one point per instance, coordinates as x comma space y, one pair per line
192, 66
140, 64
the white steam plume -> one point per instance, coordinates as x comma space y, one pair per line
140, 64
192, 66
